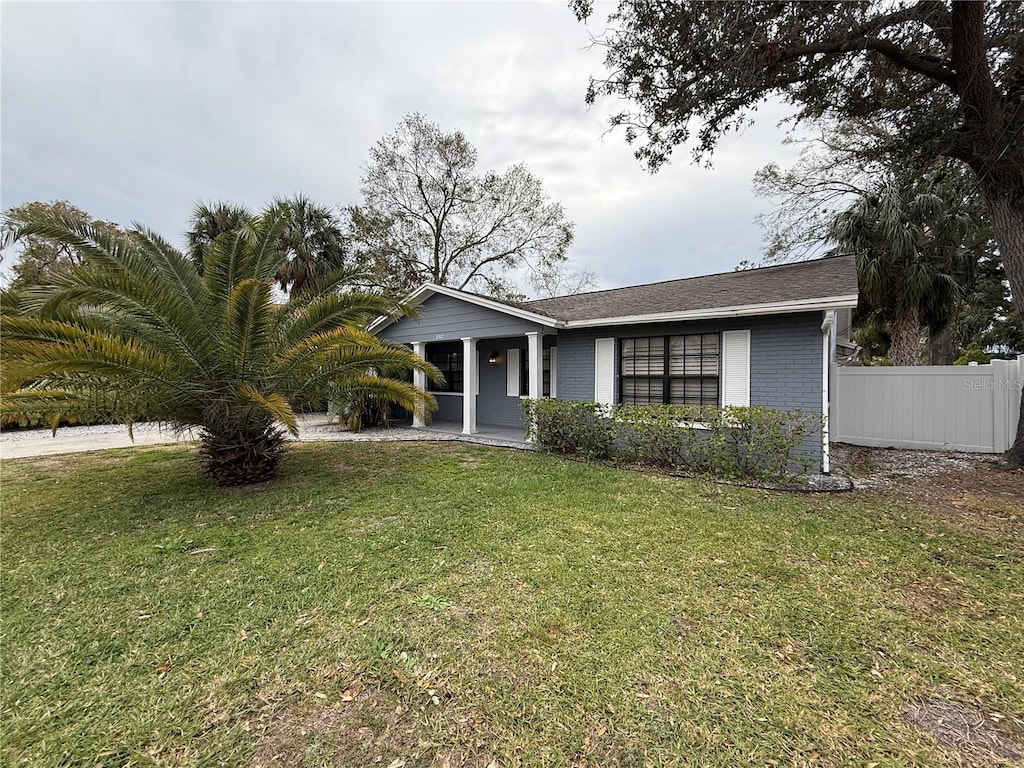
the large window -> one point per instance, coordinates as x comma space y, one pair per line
669, 369
448, 359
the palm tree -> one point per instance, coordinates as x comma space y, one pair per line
915, 247
139, 330
209, 222
312, 240
313, 243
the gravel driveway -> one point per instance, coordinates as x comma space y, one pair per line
23, 443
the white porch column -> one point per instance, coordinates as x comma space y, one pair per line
469, 378
419, 378
536, 367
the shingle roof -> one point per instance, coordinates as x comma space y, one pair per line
797, 282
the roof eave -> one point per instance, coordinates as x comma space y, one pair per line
744, 310
427, 290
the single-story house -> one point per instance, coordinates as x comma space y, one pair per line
754, 337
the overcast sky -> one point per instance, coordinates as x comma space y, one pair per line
136, 111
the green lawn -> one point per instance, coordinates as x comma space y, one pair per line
447, 605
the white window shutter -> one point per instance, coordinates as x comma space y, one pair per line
604, 371
512, 373
735, 368
554, 372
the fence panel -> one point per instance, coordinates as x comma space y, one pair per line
951, 407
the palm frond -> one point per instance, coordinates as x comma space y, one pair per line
392, 391
326, 312
250, 316
139, 330
275, 405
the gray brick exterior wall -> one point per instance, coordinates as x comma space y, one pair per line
785, 356
785, 359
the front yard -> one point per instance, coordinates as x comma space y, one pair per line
445, 605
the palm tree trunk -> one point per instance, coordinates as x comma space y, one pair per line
905, 345
240, 459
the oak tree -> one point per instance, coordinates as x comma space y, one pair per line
946, 77
37, 258
428, 215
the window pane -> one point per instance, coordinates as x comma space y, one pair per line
545, 388
709, 358
694, 391
676, 360
642, 391
695, 355
450, 364
643, 357
709, 392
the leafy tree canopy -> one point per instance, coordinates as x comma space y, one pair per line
985, 316
36, 257
834, 173
914, 253
699, 70
946, 78
428, 215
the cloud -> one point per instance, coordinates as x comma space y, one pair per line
134, 112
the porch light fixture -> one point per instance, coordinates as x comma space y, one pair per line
493, 359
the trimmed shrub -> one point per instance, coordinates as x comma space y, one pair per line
570, 427
668, 435
750, 442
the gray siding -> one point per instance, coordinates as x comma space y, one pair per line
449, 407
785, 356
442, 317
493, 406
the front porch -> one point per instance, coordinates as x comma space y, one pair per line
492, 355
486, 381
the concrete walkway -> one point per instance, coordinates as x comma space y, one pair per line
312, 427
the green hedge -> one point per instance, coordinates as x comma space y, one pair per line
732, 443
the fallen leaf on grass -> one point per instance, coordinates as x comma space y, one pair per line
353, 690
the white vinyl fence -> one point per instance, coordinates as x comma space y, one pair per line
950, 407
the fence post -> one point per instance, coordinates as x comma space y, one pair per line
1016, 384
1001, 377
